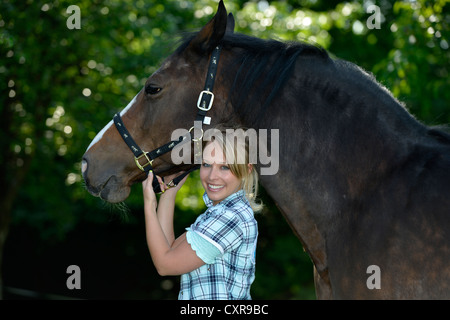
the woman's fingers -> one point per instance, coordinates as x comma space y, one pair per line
162, 185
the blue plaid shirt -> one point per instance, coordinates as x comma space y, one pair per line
224, 237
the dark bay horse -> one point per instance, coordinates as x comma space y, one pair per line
364, 186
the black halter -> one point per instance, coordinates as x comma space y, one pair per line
145, 159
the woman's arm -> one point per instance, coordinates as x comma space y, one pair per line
170, 257
165, 212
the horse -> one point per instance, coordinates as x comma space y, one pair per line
362, 183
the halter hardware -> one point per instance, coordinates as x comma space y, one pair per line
142, 166
193, 137
201, 103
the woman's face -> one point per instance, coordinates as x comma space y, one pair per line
215, 175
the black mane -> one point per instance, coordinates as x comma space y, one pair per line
262, 68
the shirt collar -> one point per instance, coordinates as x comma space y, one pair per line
231, 197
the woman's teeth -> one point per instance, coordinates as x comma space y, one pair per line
213, 187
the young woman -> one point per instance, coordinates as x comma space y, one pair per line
216, 255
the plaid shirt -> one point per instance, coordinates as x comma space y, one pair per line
230, 230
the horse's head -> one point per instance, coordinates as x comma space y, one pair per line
167, 102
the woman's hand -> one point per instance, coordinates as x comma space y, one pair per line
170, 178
149, 194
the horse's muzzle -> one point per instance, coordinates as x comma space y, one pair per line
107, 187
95, 191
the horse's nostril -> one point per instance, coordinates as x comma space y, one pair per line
84, 166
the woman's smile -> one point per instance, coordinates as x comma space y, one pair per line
215, 188
216, 177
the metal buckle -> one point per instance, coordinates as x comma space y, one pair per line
200, 98
171, 184
149, 162
201, 136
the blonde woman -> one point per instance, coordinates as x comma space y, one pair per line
216, 255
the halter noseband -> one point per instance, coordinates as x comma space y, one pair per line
143, 159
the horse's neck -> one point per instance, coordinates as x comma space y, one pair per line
335, 139
335, 134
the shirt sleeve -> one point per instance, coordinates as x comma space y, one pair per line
220, 229
204, 249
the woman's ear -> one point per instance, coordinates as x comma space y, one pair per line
212, 33
250, 168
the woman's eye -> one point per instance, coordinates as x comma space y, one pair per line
225, 168
149, 89
206, 165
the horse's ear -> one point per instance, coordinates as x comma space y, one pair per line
230, 23
212, 33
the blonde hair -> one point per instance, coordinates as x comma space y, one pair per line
236, 149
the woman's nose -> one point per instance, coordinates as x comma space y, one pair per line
213, 174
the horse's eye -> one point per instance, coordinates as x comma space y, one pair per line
150, 89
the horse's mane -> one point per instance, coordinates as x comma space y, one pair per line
263, 67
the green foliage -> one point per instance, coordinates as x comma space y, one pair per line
59, 87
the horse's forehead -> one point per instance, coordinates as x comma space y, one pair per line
166, 65
174, 63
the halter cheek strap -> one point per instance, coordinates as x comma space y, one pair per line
206, 97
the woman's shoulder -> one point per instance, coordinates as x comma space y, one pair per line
240, 211
234, 208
